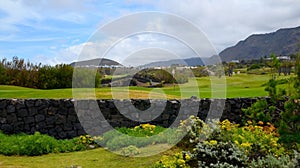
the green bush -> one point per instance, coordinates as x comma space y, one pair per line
218, 154
259, 111
196, 131
179, 160
257, 141
130, 151
139, 136
142, 130
254, 66
37, 144
229, 145
271, 161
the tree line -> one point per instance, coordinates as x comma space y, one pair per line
20, 73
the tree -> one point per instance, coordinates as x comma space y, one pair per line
2, 74
275, 64
290, 123
231, 66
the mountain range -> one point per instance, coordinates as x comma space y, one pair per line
96, 62
282, 42
194, 61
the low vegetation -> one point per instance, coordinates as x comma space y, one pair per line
139, 136
269, 136
226, 144
38, 144
98, 157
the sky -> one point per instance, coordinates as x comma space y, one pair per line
56, 31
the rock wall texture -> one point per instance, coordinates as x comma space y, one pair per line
67, 118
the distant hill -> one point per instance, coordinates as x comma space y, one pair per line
195, 61
95, 62
281, 42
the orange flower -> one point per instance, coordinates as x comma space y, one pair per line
261, 123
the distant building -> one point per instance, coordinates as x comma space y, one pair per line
281, 58
235, 61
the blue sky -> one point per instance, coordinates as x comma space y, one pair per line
54, 31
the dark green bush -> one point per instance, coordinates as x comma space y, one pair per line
259, 111
254, 66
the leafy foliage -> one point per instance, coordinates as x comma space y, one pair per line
222, 154
271, 161
257, 141
130, 151
18, 72
37, 144
290, 123
163, 76
225, 144
139, 136
179, 160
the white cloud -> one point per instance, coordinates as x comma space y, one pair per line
134, 50
225, 22
15, 13
30, 13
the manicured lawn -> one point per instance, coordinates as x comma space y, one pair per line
242, 85
91, 158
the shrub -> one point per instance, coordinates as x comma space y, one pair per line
37, 144
229, 145
257, 141
139, 136
271, 161
130, 151
259, 111
142, 130
179, 160
196, 131
254, 66
218, 154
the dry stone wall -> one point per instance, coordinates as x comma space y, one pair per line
58, 118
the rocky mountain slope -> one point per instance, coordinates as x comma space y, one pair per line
281, 42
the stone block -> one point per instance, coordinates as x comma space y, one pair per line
38, 118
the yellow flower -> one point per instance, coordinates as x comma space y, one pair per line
246, 144
213, 142
187, 157
181, 162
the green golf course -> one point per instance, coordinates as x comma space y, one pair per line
242, 85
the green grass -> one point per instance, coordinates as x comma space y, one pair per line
242, 85
91, 158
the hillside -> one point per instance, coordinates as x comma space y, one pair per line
95, 62
281, 42
194, 61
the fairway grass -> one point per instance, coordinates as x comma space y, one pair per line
92, 158
242, 85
